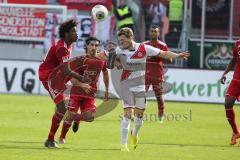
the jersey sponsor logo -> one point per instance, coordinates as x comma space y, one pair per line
90, 73
140, 53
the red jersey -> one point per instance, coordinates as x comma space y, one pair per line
154, 65
92, 69
89, 68
236, 56
90, 72
56, 55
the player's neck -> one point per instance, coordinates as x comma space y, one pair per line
68, 43
91, 56
132, 47
153, 40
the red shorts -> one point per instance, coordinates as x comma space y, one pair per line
234, 89
57, 97
156, 85
85, 104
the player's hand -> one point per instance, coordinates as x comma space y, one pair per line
223, 79
184, 55
85, 87
87, 79
106, 96
102, 55
118, 64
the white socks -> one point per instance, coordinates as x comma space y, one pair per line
137, 125
125, 125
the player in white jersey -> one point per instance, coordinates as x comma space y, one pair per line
131, 57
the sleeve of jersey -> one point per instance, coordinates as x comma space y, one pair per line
165, 48
62, 54
151, 51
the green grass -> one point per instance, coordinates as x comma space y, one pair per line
25, 121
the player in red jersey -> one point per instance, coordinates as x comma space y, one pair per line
57, 54
233, 92
90, 71
154, 69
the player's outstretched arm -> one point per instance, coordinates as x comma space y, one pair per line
229, 67
102, 55
172, 55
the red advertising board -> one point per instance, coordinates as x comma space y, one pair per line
85, 4
19, 23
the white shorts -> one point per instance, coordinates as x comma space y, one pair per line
131, 97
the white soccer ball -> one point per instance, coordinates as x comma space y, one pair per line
99, 13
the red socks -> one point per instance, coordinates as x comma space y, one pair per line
66, 125
56, 120
230, 114
160, 106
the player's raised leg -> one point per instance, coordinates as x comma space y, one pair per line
88, 112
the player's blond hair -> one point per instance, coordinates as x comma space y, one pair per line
126, 32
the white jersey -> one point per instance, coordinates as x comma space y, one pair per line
134, 62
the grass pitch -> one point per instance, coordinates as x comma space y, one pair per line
190, 131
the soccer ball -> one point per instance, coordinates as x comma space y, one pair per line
99, 13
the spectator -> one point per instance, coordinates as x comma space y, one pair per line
124, 15
157, 11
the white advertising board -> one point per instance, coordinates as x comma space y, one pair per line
188, 84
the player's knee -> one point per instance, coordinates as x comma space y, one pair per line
228, 105
160, 100
89, 116
128, 112
90, 119
138, 114
229, 102
61, 107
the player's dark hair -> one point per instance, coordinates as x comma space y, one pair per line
66, 26
126, 32
89, 39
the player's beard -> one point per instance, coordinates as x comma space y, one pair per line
154, 38
93, 52
75, 39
